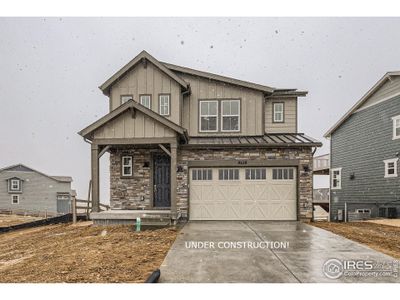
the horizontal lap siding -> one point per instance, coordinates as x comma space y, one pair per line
389, 88
38, 192
359, 146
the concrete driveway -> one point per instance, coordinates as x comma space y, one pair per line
302, 261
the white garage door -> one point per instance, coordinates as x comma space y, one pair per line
243, 193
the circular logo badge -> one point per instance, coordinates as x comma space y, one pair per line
333, 268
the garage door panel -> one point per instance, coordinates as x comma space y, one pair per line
243, 199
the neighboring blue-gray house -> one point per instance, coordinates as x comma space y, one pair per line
365, 151
25, 189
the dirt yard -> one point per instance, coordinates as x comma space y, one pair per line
383, 238
9, 220
82, 253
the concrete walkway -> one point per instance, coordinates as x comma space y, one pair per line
303, 261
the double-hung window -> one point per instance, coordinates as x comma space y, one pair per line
127, 166
230, 115
14, 199
278, 112
15, 185
164, 105
390, 167
336, 179
396, 127
208, 116
145, 100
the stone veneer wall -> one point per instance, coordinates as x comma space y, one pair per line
134, 192
302, 154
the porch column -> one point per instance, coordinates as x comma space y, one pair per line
173, 180
95, 179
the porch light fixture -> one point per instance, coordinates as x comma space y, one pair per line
352, 176
179, 169
146, 164
306, 168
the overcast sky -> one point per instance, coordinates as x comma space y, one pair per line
50, 69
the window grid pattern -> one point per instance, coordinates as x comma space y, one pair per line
145, 100
208, 116
228, 174
164, 105
230, 115
282, 173
127, 166
201, 174
278, 112
256, 174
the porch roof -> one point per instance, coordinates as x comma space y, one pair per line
267, 140
131, 105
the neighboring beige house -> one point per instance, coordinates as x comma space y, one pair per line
24, 189
187, 144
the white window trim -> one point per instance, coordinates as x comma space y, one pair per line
128, 165
168, 106
141, 102
12, 199
394, 119
18, 183
386, 162
201, 116
222, 115
283, 112
339, 187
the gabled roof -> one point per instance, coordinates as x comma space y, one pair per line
142, 56
23, 168
171, 69
131, 104
361, 102
230, 80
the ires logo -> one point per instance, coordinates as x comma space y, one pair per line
334, 268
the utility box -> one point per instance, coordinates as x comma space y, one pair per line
392, 212
340, 214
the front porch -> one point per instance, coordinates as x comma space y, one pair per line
149, 192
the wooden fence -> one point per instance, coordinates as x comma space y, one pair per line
81, 207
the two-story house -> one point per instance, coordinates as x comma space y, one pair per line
200, 146
24, 189
365, 151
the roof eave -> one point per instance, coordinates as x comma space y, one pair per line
105, 87
360, 102
221, 78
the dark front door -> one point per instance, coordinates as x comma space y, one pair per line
161, 181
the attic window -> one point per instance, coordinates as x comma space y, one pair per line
14, 185
126, 98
